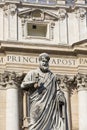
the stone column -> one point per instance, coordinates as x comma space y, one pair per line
12, 112
66, 88
82, 100
2, 104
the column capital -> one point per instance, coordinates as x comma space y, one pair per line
80, 13
62, 14
65, 82
10, 9
11, 79
81, 80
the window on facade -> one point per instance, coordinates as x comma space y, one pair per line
42, 1
31, 1
37, 30
70, 1
52, 1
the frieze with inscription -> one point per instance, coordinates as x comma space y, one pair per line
20, 59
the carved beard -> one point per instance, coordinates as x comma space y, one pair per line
44, 68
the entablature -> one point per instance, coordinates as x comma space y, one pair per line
51, 4
73, 50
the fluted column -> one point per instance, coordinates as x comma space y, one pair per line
82, 100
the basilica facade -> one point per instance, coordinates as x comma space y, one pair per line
31, 27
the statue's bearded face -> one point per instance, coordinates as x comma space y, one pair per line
44, 64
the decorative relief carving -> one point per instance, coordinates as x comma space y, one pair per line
66, 82
81, 80
80, 13
62, 14
5, 9
13, 9
10, 9
10, 78
37, 15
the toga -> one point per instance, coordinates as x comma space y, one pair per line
45, 111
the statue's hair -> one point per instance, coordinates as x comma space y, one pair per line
45, 55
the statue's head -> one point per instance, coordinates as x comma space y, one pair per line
44, 62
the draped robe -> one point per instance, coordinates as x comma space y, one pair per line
44, 102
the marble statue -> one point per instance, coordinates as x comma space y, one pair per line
47, 103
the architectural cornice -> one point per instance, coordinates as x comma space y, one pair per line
50, 48
27, 4
54, 6
79, 43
